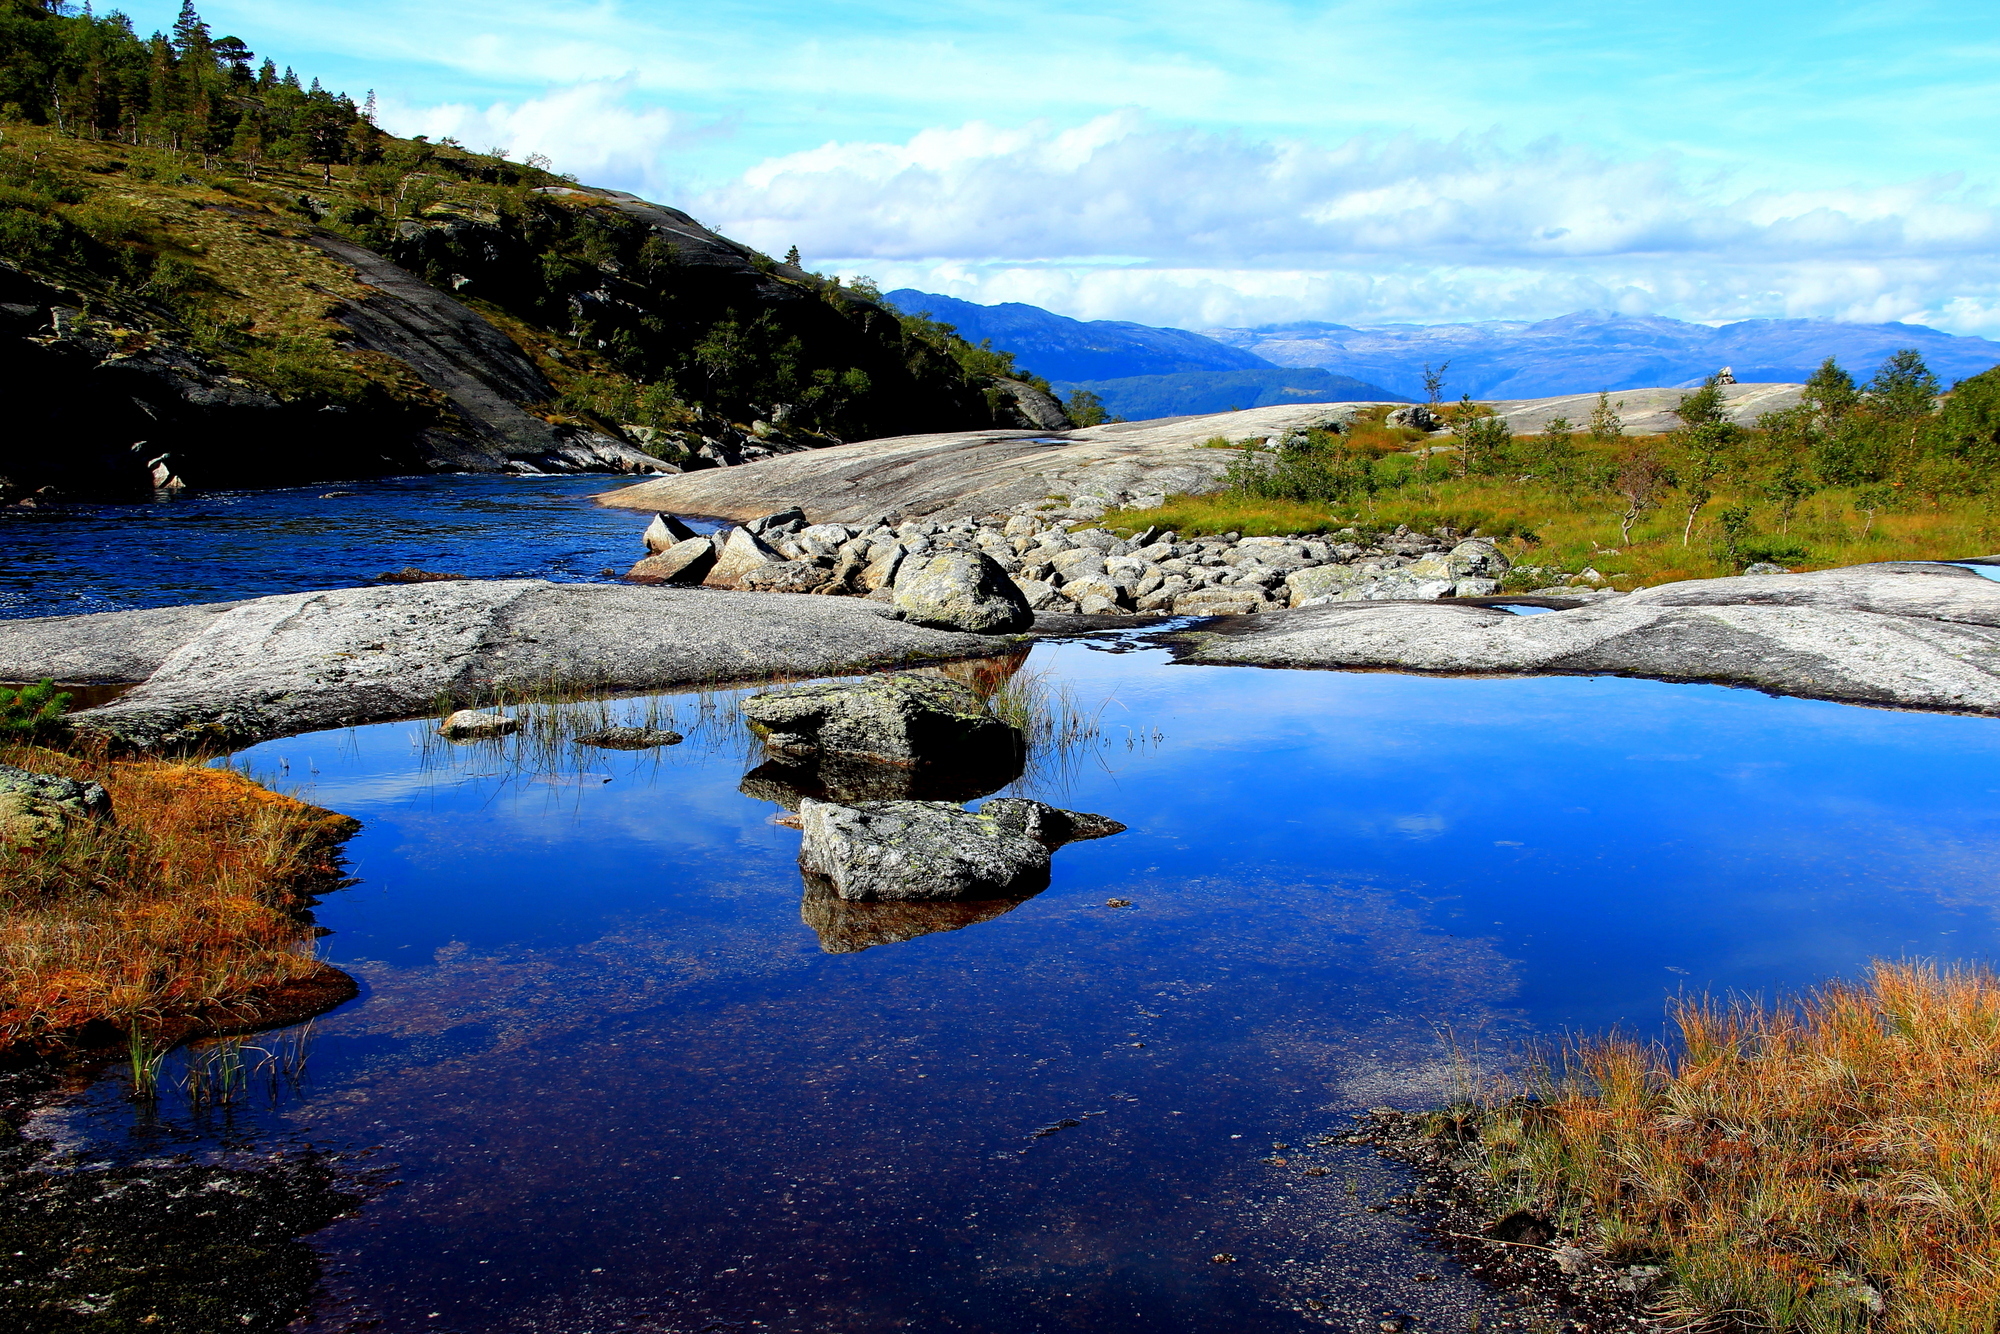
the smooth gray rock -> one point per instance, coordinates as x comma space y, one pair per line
961, 590
685, 562
1904, 634
901, 718
916, 850
300, 662
108, 648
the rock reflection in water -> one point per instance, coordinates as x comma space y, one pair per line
847, 928
844, 779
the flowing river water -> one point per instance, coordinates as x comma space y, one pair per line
619, 1077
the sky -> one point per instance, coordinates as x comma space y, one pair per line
1245, 162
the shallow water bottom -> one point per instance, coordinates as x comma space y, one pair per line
622, 1084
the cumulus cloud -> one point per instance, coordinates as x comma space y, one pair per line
1123, 217
592, 130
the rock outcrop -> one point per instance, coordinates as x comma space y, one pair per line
1905, 634
968, 473
35, 806
303, 661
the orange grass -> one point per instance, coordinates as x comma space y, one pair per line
1827, 1164
191, 898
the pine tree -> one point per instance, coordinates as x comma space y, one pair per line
190, 33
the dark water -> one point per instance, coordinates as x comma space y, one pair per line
623, 1088
222, 545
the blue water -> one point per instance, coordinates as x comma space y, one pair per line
222, 545
623, 1087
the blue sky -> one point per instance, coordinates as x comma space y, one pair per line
1234, 163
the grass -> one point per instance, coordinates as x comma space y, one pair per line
189, 900
1568, 532
1828, 1163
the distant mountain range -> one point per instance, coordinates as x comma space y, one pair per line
1578, 353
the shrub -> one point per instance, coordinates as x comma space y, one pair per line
31, 711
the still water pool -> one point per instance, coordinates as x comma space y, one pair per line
623, 1086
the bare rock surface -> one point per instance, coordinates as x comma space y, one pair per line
108, 648
1902, 634
975, 472
1644, 411
303, 661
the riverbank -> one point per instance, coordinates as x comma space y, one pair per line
182, 912
1824, 1162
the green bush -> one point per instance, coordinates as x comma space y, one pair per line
31, 711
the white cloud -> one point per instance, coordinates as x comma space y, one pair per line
592, 130
1122, 217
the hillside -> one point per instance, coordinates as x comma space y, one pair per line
213, 274
1588, 351
1079, 350
1140, 397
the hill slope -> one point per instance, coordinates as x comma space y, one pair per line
214, 275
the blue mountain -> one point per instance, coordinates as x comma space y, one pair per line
1593, 350
1059, 348
1138, 397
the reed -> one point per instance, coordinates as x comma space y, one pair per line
1827, 1163
190, 899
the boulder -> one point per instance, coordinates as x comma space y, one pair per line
915, 850
470, 724
792, 517
786, 576
1050, 826
960, 590
666, 531
631, 738
35, 806
1417, 416
902, 718
685, 562
884, 562
741, 553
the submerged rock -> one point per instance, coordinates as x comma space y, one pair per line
902, 718
467, 724
961, 590
901, 850
631, 738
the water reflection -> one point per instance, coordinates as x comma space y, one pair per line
844, 927
624, 1089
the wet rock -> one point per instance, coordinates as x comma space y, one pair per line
666, 531
470, 724
686, 562
904, 850
961, 590
410, 574
903, 718
1050, 826
631, 738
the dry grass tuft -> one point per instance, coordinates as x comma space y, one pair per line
1827, 1164
191, 900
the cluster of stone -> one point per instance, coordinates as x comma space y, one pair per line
1093, 571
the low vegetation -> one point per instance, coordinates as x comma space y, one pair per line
1827, 1163
1893, 470
190, 900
